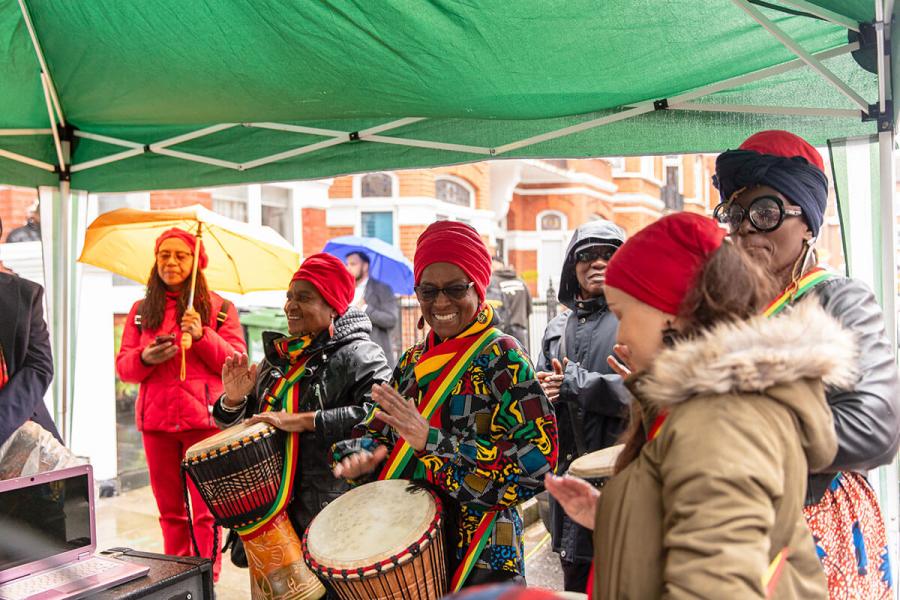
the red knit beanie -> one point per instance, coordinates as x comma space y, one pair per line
330, 277
188, 239
458, 244
659, 264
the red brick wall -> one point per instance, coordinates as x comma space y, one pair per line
634, 222
598, 168
14, 206
525, 263
408, 236
339, 231
315, 231
578, 208
341, 188
178, 198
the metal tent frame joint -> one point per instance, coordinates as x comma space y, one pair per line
354, 136
661, 104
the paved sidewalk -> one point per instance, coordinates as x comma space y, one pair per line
131, 520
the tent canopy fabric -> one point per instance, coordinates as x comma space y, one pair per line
278, 90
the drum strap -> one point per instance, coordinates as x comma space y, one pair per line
286, 395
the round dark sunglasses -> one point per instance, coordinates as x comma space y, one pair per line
591, 254
766, 214
429, 293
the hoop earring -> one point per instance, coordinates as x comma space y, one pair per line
670, 335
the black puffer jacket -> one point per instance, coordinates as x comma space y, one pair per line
338, 382
592, 404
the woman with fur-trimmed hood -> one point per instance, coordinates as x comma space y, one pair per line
729, 415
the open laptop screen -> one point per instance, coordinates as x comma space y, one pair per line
43, 520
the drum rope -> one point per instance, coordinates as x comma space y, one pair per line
187, 505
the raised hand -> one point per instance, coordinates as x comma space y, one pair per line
238, 378
401, 414
577, 497
620, 361
552, 382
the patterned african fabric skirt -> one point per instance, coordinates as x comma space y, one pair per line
851, 539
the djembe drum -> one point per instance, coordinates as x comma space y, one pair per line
238, 474
380, 541
596, 467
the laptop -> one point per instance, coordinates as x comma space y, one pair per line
48, 538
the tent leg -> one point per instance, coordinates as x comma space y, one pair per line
886, 478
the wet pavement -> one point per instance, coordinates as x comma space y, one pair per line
130, 520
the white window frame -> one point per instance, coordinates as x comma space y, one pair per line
395, 184
562, 217
458, 180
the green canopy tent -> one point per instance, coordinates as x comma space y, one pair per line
110, 95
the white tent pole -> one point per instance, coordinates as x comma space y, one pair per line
823, 13
879, 39
106, 160
18, 132
40, 56
841, 113
54, 130
107, 140
297, 129
26, 160
197, 158
805, 56
192, 136
291, 153
384, 139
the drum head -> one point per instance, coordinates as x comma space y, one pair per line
596, 465
369, 524
227, 437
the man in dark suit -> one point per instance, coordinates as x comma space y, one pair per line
26, 362
378, 300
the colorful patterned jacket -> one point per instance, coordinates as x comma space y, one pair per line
497, 440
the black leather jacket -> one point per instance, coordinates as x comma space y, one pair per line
867, 417
338, 382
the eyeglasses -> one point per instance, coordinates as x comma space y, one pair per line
593, 253
766, 214
429, 293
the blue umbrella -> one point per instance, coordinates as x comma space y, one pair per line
386, 263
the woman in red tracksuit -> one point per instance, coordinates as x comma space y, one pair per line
173, 414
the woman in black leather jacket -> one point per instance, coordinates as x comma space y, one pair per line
341, 365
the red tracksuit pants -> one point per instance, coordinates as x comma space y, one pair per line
165, 450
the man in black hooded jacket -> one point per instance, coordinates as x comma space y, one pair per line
589, 398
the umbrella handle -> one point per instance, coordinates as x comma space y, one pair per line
186, 339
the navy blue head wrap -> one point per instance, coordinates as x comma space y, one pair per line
794, 177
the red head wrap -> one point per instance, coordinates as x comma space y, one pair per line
188, 239
784, 144
330, 277
659, 264
458, 244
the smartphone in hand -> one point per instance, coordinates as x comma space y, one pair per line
162, 339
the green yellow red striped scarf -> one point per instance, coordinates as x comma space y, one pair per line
285, 395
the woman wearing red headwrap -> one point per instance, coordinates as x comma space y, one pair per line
329, 358
489, 437
174, 413
729, 415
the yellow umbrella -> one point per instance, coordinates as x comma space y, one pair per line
242, 258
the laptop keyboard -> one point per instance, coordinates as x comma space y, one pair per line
42, 582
